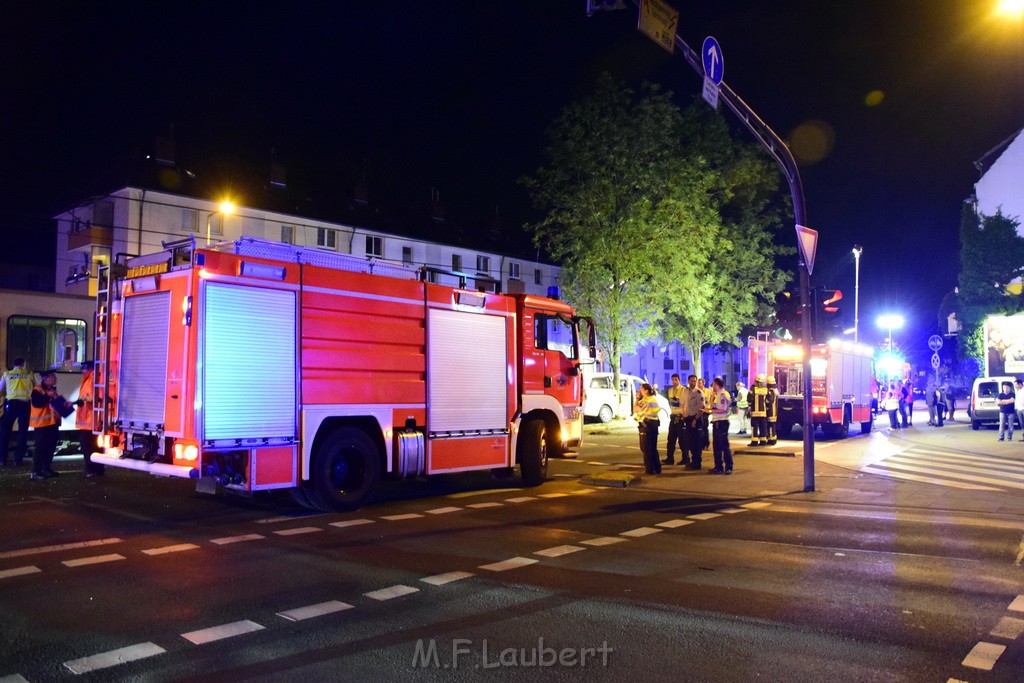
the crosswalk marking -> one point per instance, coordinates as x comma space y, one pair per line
951, 469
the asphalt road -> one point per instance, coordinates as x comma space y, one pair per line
871, 577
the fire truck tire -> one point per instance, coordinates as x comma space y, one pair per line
345, 471
532, 452
865, 427
605, 414
783, 430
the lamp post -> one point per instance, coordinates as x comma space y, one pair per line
891, 322
225, 208
857, 251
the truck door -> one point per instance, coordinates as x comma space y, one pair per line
555, 337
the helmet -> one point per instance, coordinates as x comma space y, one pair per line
760, 377
771, 381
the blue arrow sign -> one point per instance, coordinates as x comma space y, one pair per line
714, 60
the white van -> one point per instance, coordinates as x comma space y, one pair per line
600, 400
983, 407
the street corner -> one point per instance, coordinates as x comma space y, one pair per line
614, 479
781, 450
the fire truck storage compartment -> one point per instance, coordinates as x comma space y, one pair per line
249, 364
141, 397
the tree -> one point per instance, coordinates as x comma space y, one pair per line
740, 276
992, 257
620, 199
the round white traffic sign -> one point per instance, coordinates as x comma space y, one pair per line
936, 361
935, 342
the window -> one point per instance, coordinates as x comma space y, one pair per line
46, 343
483, 264
215, 222
513, 271
555, 333
407, 255
669, 364
457, 263
327, 238
684, 364
374, 246
288, 234
601, 382
189, 220
536, 276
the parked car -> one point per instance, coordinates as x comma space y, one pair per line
603, 402
983, 407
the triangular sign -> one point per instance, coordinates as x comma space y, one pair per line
807, 240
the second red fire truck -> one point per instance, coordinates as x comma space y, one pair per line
255, 365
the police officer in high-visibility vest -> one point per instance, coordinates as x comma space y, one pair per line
647, 414
772, 406
758, 399
675, 425
48, 407
16, 385
83, 422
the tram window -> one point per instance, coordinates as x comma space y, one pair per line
46, 343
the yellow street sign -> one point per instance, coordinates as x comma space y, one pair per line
658, 20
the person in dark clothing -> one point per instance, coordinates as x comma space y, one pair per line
1005, 400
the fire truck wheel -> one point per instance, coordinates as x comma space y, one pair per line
533, 452
605, 414
783, 430
345, 470
865, 427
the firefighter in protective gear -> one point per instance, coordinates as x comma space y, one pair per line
757, 397
83, 421
772, 408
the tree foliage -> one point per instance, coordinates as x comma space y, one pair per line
661, 221
992, 257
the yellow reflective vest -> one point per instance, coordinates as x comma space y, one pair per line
18, 384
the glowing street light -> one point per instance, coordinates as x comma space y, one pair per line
226, 208
1013, 9
892, 322
857, 251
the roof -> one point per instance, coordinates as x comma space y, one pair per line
990, 157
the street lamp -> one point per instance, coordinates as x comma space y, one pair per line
225, 208
892, 322
857, 251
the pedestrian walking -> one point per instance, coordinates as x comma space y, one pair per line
721, 450
1006, 400
675, 424
16, 386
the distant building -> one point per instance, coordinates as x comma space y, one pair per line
1001, 185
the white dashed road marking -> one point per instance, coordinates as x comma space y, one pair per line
442, 511
392, 592
674, 523
559, 550
300, 613
484, 505
208, 635
642, 531
984, 656
520, 499
399, 518
298, 530
57, 548
553, 495
732, 511
505, 565
170, 549
114, 657
19, 571
755, 506
1009, 628
704, 515
603, 540
97, 559
1017, 605
236, 539
351, 522
442, 579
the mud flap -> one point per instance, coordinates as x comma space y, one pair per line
206, 485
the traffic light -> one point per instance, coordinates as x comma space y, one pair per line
827, 319
787, 315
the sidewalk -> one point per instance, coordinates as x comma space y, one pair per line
837, 478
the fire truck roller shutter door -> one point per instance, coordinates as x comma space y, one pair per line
141, 397
249, 363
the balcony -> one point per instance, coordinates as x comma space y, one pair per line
84, 236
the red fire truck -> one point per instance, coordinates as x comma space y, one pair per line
256, 365
841, 374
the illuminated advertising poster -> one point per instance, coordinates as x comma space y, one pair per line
1004, 345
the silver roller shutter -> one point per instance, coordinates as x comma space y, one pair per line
250, 363
467, 361
141, 394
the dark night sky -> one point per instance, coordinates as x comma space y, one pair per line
457, 95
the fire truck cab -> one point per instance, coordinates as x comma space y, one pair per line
841, 375
256, 365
